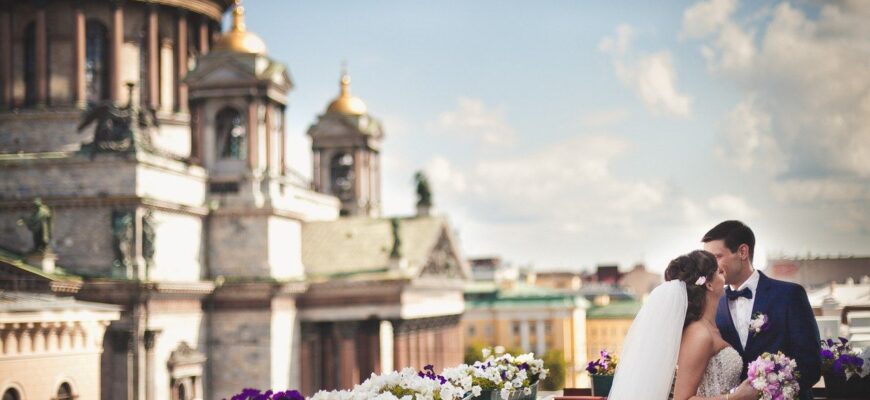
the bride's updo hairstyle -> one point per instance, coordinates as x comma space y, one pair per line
689, 268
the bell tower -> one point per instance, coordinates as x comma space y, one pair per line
346, 145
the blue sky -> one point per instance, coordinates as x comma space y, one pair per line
566, 134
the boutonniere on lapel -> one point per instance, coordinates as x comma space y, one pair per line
758, 323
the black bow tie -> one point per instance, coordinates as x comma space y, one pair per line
734, 294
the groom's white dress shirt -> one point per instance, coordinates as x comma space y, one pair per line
741, 308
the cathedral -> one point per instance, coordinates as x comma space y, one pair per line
146, 201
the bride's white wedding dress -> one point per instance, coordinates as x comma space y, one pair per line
649, 353
722, 373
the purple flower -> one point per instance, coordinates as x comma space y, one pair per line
254, 394
827, 354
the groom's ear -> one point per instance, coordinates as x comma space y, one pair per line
743, 251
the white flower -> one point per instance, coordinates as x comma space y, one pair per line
505, 393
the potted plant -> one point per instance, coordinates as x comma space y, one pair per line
601, 371
502, 377
845, 369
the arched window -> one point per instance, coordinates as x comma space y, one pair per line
181, 392
231, 135
341, 173
11, 394
96, 61
64, 392
30, 64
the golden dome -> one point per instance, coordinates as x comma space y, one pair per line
238, 39
345, 103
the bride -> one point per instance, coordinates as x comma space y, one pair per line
673, 348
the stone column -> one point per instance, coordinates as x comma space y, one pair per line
357, 177
317, 171
203, 35
196, 130
78, 67
283, 141
40, 56
401, 351
252, 135
524, 335
153, 43
6, 56
268, 121
386, 346
116, 42
150, 339
541, 345
181, 62
348, 368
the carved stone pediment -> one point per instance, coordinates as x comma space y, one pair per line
444, 260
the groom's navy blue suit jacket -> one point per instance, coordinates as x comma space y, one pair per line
792, 329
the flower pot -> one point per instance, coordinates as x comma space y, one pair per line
515, 395
601, 385
837, 386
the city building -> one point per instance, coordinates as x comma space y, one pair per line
562, 280
50, 343
843, 310
607, 325
639, 282
530, 319
148, 148
815, 271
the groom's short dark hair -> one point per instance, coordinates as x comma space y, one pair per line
734, 233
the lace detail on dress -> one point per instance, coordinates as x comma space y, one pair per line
722, 373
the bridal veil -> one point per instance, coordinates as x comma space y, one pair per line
649, 353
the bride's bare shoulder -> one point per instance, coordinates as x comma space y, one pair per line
696, 334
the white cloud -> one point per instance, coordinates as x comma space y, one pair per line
811, 191
620, 44
442, 174
603, 118
747, 140
731, 207
473, 118
808, 76
704, 18
567, 184
651, 76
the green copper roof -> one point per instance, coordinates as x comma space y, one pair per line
489, 295
615, 310
355, 246
17, 261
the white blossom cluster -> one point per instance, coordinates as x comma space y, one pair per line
504, 373
406, 384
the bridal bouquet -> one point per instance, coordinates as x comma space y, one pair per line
775, 376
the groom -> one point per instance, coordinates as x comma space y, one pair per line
751, 296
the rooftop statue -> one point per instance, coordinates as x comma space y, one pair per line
39, 223
115, 129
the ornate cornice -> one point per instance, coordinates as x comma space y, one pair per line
106, 201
